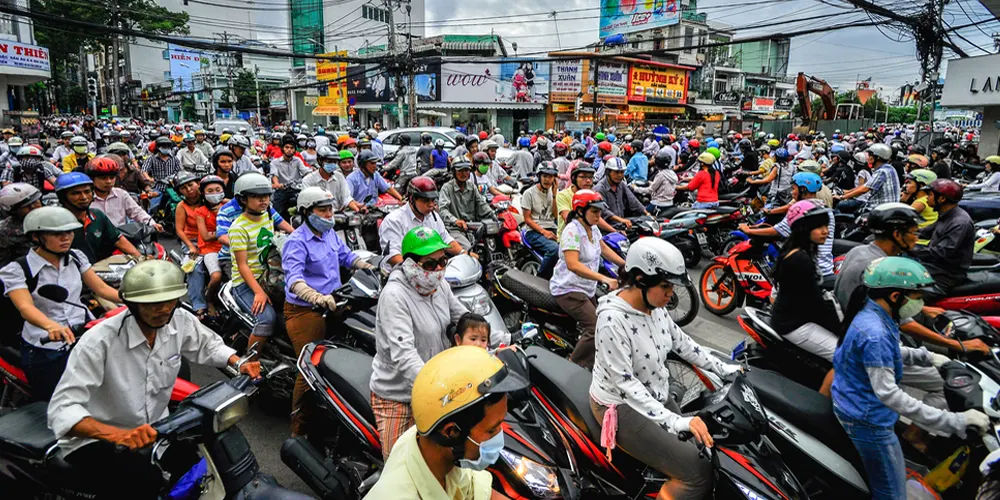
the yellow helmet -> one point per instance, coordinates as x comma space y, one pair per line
456, 379
773, 143
224, 138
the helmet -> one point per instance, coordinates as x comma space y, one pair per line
707, 158
653, 260
153, 281
345, 154
29, 150
469, 141
439, 143
164, 142
363, 142
183, 178
372, 133
810, 166
425, 138
483, 135
481, 158
119, 148
836, 148
781, 154
456, 379
252, 183
328, 154
66, 134
55, 219
805, 211
604, 146
773, 143
614, 164
662, 159
745, 144
881, 151
72, 180
422, 241
819, 150
496, 130
524, 142
488, 144
366, 156
897, 272
714, 151
547, 168
200, 131
599, 136
923, 176
944, 187
581, 169
713, 144
808, 180
240, 141
542, 142
312, 197
560, 148
79, 140
461, 165
18, 194
102, 166
287, 139
188, 137
586, 198
993, 159
888, 217
15, 142
211, 179
422, 186
918, 149
227, 130
764, 148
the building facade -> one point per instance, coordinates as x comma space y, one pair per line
22, 63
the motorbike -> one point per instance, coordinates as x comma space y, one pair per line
742, 277
144, 238
30, 465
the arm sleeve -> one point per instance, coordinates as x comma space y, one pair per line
68, 404
222, 223
632, 201
293, 260
390, 236
134, 211
884, 385
692, 352
483, 209
444, 204
915, 356
697, 181
203, 346
12, 277
944, 244
401, 350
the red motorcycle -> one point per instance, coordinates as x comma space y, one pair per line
980, 294
743, 276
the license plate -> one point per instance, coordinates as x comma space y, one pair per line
702, 239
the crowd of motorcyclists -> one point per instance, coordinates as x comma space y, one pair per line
438, 397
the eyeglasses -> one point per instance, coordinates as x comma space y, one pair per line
434, 264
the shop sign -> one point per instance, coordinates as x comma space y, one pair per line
747, 105
972, 82
184, 63
784, 103
567, 80
619, 16
372, 84
327, 70
578, 126
310, 100
511, 82
662, 110
657, 85
563, 108
762, 105
612, 82
727, 98
278, 99
572, 79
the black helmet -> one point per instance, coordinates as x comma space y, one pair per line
888, 217
745, 144
183, 178
404, 140
546, 168
662, 159
164, 142
918, 149
288, 139
366, 156
637, 146
425, 138
581, 169
220, 153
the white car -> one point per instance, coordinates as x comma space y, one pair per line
390, 138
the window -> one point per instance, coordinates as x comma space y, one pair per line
374, 13
721, 86
166, 55
447, 140
688, 37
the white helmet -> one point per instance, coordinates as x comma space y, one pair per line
487, 144
312, 197
657, 260
496, 130
371, 133
54, 219
17, 195
252, 183
15, 142
615, 164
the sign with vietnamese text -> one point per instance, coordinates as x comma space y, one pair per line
612, 82
184, 63
567, 80
25, 56
762, 104
573, 79
657, 85
627, 16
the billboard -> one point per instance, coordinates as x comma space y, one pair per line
762, 104
368, 84
627, 16
184, 63
572, 78
24, 56
521, 82
657, 85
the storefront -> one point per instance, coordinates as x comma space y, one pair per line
572, 91
21, 65
374, 95
974, 83
484, 96
657, 92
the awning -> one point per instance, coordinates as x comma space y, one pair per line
480, 105
369, 105
326, 111
428, 112
707, 109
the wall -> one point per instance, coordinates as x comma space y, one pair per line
346, 29
989, 139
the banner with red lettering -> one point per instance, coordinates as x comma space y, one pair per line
22, 55
657, 85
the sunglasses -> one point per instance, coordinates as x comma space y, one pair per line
434, 264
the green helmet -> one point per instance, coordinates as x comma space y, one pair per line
923, 176
897, 272
346, 155
810, 166
153, 281
714, 152
422, 241
599, 136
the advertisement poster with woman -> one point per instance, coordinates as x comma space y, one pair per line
525, 82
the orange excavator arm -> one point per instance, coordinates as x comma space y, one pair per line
806, 84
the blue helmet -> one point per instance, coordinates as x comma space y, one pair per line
611, 138
836, 148
781, 154
712, 144
809, 181
72, 180
524, 142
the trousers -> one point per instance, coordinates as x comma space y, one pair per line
584, 310
303, 326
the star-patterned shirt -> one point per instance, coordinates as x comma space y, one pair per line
630, 363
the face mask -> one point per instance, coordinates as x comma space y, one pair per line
80, 149
329, 167
489, 452
483, 169
320, 224
354, 151
30, 164
165, 151
425, 282
215, 198
911, 308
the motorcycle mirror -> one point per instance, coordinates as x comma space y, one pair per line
55, 293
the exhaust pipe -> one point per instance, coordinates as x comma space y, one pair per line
325, 478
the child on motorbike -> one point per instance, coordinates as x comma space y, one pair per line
249, 235
213, 192
474, 330
915, 191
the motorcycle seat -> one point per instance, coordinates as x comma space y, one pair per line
978, 283
531, 289
25, 432
350, 372
568, 385
842, 246
984, 260
804, 408
11, 355
733, 196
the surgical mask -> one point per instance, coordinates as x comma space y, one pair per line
30, 164
353, 151
320, 224
483, 168
80, 149
329, 167
215, 198
425, 282
911, 308
165, 151
489, 452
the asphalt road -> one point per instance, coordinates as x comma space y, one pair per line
266, 433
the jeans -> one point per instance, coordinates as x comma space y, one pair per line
196, 287
705, 204
44, 368
281, 199
264, 326
881, 455
549, 250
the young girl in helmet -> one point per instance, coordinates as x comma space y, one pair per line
705, 182
575, 277
212, 189
916, 188
631, 382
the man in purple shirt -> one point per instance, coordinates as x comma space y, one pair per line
310, 278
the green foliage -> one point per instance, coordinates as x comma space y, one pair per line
245, 90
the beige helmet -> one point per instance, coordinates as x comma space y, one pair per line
50, 219
152, 281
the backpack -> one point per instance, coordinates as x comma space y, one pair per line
11, 335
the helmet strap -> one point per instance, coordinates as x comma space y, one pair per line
133, 309
41, 246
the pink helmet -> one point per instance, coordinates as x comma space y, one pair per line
805, 209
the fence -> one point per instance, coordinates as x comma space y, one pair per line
779, 128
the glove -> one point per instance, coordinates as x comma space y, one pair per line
976, 419
308, 294
938, 360
328, 302
729, 369
362, 264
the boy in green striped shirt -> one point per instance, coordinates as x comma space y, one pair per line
249, 235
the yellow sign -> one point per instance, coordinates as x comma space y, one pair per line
562, 108
636, 108
657, 85
336, 74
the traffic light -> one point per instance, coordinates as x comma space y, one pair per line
92, 87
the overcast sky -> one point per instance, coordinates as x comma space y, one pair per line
836, 56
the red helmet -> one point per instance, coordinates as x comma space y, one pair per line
481, 158
791, 137
560, 148
948, 188
738, 136
350, 141
483, 135
102, 166
694, 143
586, 198
604, 146
422, 186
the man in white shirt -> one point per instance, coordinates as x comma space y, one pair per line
328, 177
191, 158
121, 374
420, 211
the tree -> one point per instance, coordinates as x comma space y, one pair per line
246, 92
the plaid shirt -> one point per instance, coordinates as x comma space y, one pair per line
161, 169
884, 187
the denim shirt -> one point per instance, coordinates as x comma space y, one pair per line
872, 341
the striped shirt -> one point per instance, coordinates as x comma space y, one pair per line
252, 237
228, 214
160, 169
884, 187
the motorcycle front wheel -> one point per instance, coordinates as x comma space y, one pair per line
720, 292
684, 304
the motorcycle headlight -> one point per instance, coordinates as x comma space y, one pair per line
624, 246
479, 303
750, 493
543, 481
229, 412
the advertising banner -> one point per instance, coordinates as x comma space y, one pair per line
567, 80
184, 63
727, 98
367, 84
22, 55
612, 82
762, 105
784, 103
571, 78
657, 85
626, 16
327, 70
520, 82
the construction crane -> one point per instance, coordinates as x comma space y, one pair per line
805, 84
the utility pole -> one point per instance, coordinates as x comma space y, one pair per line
395, 62
115, 41
597, 86
256, 91
412, 78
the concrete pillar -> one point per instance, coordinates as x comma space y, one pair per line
989, 139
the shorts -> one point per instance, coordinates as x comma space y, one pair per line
211, 261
